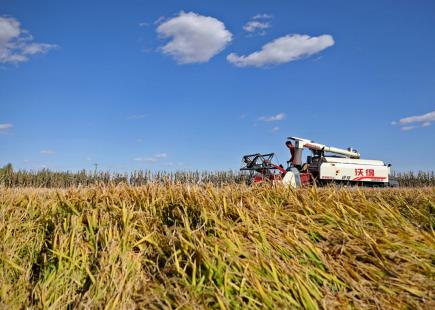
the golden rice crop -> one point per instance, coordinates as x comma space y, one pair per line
230, 247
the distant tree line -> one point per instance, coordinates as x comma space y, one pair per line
415, 179
53, 179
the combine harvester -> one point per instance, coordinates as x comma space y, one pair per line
326, 165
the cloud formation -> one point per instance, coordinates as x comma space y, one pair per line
407, 128
4, 127
428, 117
254, 25
17, 44
193, 38
152, 159
262, 16
47, 152
172, 164
161, 155
258, 24
282, 50
274, 129
411, 122
273, 118
136, 116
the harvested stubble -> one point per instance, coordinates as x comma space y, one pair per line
181, 246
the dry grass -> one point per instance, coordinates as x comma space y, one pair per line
183, 246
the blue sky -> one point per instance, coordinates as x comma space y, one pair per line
196, 84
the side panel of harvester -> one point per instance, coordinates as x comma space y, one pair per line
344, 169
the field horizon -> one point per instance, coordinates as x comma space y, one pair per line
9, 177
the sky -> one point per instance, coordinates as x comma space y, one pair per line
194, 85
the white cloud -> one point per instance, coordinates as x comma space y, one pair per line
425, 120
47, 152
172, 164
262, 16
17, 44
193, 38
159, 20
282, 50
137, 116
273, 118
161, 155
428, 117
146, 159
4, 127
152, 159
258, 24
254, 25
275, 129
407, 128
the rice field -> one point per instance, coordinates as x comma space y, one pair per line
164, 246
